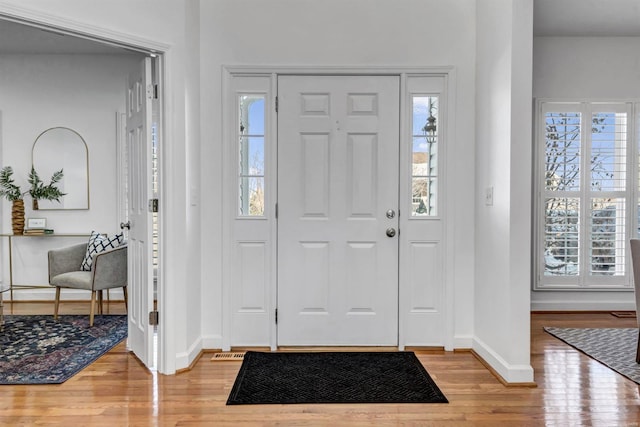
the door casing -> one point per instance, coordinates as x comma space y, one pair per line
410, 317
166, 362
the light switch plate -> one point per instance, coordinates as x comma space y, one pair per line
488, 196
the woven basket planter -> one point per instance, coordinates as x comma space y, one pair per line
17, 216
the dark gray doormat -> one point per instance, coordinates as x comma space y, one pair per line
333, 377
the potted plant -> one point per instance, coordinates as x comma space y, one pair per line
39, 191
12, 192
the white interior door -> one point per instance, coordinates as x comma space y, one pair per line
140, 286
338, 145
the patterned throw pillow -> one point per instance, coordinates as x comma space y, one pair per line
99, 243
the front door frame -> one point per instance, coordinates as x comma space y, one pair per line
448, 126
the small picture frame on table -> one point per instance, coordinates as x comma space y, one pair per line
36, 223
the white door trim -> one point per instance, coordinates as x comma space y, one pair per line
448, 126
79, 29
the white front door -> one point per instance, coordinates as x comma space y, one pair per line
140, 277
338, 145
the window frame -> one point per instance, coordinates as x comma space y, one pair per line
584, 281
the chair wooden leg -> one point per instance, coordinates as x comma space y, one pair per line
100, 299
57, 303
126, 299
93, 307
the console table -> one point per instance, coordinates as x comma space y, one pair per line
11, 237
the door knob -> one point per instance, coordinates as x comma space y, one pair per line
391, 232
391, 213
126, 225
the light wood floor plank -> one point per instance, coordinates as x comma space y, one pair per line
572, 390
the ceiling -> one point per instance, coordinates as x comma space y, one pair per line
20, 38
551, 18
586, 18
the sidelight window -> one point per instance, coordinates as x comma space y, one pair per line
424, 156
250, 137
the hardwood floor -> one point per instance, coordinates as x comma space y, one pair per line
572, 390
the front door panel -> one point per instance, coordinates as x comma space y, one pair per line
337, 201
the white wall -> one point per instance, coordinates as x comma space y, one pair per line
580, 68
503, 159
81, 92
194, 301
331, 32
338, 33
586, 67
160, 24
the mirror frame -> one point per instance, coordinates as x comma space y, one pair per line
86, 151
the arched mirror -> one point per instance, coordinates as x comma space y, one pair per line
63, 148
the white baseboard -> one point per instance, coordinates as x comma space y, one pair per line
582, 306
49, 294
185, 359
515, 374
462, 341
212, 342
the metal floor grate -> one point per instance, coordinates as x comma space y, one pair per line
226, 356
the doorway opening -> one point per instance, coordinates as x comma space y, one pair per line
70, 41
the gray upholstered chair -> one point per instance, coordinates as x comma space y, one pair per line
635, 258
109, 271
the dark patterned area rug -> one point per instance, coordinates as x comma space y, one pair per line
340, 377
40, 350
613, 347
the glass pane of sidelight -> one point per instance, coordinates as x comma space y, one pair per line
424, 156
251, 114
252, 196
251, 159
422, 196
252, 155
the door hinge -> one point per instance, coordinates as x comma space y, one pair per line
153, 205
276, 104
149, 91
276, 211
155, 91
276, 316
153, 318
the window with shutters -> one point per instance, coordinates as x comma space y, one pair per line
585, 190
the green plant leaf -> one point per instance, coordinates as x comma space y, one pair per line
8, 188
39, 191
